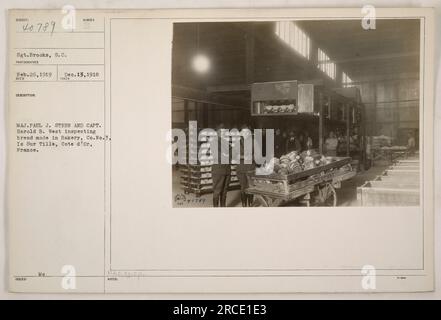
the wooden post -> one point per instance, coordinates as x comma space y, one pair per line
204, 123
186, 112
329, 108
363, 136
321, 123
249, 55
348, 121
197, 111
374, 127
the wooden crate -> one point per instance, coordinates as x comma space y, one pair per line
387, 195
398, 186
404, 175
407, 165
397, 180
408, 162
384, 184
404, 167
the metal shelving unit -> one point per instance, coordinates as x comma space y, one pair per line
313, 102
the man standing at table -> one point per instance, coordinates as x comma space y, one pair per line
411, 145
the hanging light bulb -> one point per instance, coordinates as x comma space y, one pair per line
201, 63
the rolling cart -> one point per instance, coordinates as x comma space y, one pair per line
312, 187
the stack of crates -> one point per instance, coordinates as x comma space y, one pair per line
399, 185
196, 178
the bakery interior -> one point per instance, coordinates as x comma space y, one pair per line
348, 96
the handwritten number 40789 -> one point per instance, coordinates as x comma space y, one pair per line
46, 27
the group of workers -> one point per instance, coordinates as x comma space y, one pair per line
287, 141
284, 142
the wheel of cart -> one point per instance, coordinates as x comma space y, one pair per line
260, 201
322, 196
325, 196
265, 201
313, 187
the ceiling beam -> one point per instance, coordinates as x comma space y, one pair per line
201, 95
228, 88
387, 77
374, 57
247, 87
269, 39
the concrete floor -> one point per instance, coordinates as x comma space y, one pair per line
346, 195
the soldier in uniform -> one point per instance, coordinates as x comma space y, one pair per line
221, 172
245, 165
292, 143
279, 143
411, 145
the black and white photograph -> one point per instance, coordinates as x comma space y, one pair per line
296, 113
252, 153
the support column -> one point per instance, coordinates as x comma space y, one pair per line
348, 127
321, 102
249, 55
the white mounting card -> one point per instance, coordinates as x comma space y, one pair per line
91, 199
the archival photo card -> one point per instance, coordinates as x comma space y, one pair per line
309, 112
221, 151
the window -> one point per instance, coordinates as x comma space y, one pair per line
325, 64
295, 37
346, 81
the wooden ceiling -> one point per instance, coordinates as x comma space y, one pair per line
391, 49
